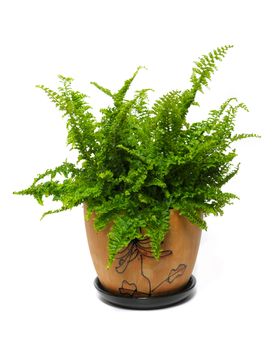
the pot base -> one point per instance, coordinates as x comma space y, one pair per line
146, 303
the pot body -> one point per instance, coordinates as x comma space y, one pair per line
135, 272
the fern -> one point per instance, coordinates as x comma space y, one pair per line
140, 161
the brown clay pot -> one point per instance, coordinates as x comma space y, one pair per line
135, 272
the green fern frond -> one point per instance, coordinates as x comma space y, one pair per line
205, 67
53, 212
124, 230
238, 137
120, 95
103, 89
158, 227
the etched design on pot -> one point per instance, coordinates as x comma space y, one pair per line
141, 248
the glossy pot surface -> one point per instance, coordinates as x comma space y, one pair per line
135, 272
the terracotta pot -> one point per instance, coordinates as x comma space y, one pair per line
135, 272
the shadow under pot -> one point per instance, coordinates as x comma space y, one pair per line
135, 272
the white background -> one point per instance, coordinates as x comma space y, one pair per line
47, 298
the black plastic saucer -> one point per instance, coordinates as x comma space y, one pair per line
146, 303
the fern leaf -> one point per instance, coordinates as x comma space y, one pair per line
103, 89
120, 95
205, 67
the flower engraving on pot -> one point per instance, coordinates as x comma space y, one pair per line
137, 247
128, 289
142, 250
173, 274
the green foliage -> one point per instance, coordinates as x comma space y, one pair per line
138, 162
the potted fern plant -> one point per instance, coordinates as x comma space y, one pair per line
147, 178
